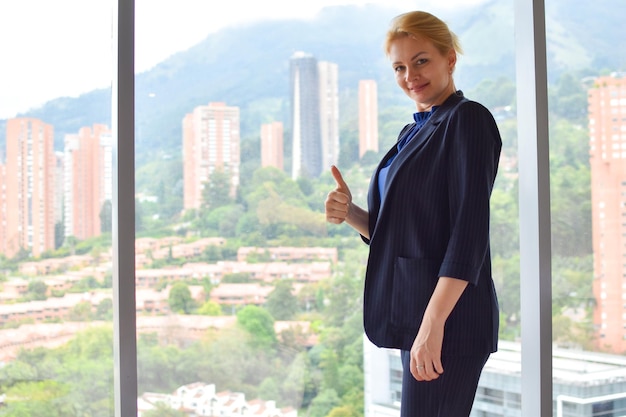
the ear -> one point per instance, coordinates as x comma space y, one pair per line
451, 60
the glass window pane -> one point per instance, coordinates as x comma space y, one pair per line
56, 344
242, 287
587, 185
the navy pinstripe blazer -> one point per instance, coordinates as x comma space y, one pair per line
433, 222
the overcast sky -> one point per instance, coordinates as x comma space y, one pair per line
55, 48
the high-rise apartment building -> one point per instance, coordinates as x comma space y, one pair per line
210, 143
272, 145
329, 112
58, 187
29, 176
3, 209
88, 168
314, 114
607, 130
368, 116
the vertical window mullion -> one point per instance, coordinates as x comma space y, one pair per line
123, 206
534, 208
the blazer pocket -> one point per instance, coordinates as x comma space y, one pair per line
414, 281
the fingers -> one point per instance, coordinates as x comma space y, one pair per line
425, 367
426, 352
426, 371
338, 201
337, 204
341, 184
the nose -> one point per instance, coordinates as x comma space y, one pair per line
411, 74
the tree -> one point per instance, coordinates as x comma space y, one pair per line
269, 389
322, 405
104, 311
495, 93
281, 303
230, 358
568, 98
81, 312
504, 223
220, 220
282, 217
345, 292
329, 365
217, 190
212, 253
106, 217
237, 278
349, 148
343, 411
59, 234
160, 368
210, 308
37, 290
86, 284
506, 276
36, 398
180, 299
259, 324
138, 216
370, 157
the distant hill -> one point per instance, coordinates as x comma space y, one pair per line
247, 66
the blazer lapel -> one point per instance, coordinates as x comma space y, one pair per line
420, 139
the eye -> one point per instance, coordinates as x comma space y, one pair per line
399, 68
421, 61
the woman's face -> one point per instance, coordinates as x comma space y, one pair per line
421, 71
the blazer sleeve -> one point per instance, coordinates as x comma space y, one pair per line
473, 150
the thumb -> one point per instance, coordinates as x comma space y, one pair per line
341, 184
438, 366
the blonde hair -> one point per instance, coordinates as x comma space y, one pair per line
424, 25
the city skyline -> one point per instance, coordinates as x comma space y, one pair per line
23, 88
81, 179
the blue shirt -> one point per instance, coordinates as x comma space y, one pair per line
420, 120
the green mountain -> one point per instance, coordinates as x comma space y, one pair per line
248, 65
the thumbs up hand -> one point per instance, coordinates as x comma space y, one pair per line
338, 201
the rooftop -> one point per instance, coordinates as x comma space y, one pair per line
568, 365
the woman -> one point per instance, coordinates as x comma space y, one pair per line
428, 285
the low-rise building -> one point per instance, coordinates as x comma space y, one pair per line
240, 294
202, 400
585, 384
55, 265
289, 253
51, 309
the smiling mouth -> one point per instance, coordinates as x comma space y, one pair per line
418, 88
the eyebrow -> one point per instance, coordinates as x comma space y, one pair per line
412, 58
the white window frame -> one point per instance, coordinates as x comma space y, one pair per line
534, 207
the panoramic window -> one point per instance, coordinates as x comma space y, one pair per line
247, 301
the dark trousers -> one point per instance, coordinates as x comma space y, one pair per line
450, 395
